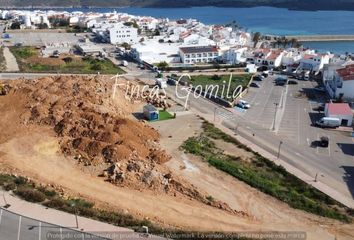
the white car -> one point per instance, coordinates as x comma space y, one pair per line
243, 104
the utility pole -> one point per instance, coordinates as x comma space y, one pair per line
280, 143
275, 115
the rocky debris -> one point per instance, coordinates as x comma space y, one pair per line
95, 131
4, 89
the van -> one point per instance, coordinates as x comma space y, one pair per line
328, 122
161, 83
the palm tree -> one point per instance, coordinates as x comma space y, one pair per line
256, 38
293, 42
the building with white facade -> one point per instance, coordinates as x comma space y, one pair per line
199, 54
341, 111
120, 33
314, 62
341, 83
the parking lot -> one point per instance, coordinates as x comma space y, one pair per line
42, 38
292, 119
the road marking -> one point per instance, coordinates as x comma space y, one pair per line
318, 138
19, 228
0, 216
39, 230
61, 233
308, 141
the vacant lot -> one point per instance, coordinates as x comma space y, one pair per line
220, 85
29, 61
263, 174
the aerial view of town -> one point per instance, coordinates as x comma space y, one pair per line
177, 119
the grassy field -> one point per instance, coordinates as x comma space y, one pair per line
86, 65
220, 81
264, 175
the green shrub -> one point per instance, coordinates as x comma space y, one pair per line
30, 195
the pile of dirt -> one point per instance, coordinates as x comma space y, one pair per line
95, 131
4, 89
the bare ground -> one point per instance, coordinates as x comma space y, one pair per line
34, 151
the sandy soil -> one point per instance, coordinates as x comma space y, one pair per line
34, 151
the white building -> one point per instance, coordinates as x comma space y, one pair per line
152, 52
342, 83
234, 55
314, 62
341, 111
123, 34
198, 54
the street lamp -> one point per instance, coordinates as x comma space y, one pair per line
280, 143
75, 210
275, 115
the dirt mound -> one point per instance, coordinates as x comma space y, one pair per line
94, 130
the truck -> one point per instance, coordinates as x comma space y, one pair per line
328, 122
162, 83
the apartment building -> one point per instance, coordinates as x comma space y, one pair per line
198, 54
120, 33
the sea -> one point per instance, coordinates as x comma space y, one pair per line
267, 20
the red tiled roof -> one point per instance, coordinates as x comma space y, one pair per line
274, 55
339, 109
346, 73
309, 56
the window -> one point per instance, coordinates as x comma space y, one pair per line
199, 55
193, 55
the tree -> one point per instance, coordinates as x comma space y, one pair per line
126, 46
157, 32
293, 42
15, 25
68, 59
42, 26
256, 38
162, 65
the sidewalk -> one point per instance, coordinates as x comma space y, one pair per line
55, 217
11, 63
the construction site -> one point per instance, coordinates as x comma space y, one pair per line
68, 132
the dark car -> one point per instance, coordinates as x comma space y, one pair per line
324, 141
253, 84
292, 82
257, 78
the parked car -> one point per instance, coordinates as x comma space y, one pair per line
243, 104
320, 108
328, 122
258, 78
253, 84
320, 89
162, 83
292, 82
324, 141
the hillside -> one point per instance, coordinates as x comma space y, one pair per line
290, 4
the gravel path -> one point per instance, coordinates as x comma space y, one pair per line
11, 63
